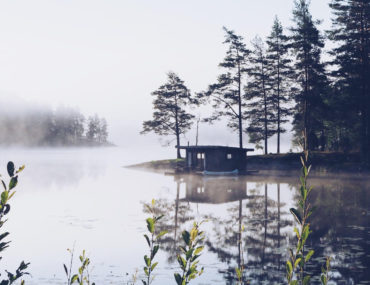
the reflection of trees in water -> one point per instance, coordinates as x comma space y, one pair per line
176, 216
341, 228
262, 218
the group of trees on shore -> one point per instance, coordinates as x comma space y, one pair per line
285, 78
45, 127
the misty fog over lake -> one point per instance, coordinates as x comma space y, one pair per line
171, 142
87, 198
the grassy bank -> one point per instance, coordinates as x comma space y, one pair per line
322, 162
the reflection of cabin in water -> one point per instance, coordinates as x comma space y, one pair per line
216, 158
215, 190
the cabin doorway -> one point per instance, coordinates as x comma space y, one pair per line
200, 162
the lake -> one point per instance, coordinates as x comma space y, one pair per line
86, 199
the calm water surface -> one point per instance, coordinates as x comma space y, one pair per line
85, 197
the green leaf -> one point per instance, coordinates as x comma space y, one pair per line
158, 218
65, 269
154, 265
13, 182
155, 250
189, 253
161, 234
238, 272
147, 239
146, 271
309, 254
306, 232
296, 232
150, 225
297, 262
289, 267
178, 278
198, 250
74, 278
10, 168
306, 280
147, 260
324, 280
20, 169
296, 215
186, 237
305, 171
182, 262
4, 197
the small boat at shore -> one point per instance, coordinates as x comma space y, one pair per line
221, 173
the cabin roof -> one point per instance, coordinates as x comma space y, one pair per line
207, 147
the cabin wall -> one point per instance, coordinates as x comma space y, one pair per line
217, 160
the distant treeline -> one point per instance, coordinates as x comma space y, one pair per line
65, 126
283, 79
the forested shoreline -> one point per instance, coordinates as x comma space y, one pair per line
39, 126
292, 76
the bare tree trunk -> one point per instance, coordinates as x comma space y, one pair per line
265, 105
278, 105
240, 109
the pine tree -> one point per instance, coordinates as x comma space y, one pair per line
307, 44
103, 131
93, 125
258, 93
280, 76
226, 94
351, 34
170, 117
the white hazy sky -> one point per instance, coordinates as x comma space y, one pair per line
106, 56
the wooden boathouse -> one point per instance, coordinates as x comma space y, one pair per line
216, 158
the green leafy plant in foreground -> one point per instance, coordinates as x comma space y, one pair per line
152, 239
295, 266
83, 275
188, 259
239, 270
325, 272
7, 193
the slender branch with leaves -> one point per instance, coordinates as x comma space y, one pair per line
152, 239
239, 270
188, 259
83, 275
6, 195
295, 266
325, 272
298, 257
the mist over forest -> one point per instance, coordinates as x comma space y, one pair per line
32, 125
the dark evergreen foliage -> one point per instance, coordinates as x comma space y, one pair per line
351, 75
307, 44
260, 112
280, 76
170, 116
226, 95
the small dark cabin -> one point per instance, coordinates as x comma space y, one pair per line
216, 158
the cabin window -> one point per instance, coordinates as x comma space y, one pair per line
200, 189
229, 156
200, 155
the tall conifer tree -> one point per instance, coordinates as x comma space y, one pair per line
351, 34
258, 92
170, 116
307, 44
226, 95
280, 76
